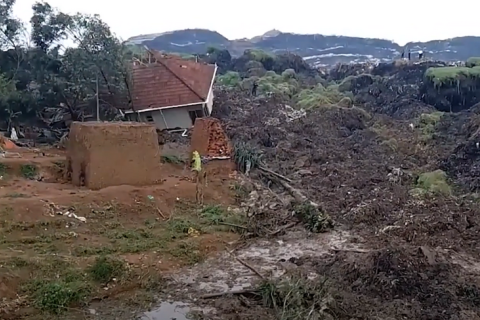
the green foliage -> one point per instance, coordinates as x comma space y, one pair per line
473, 62
289, 74
319, 97
214, 214
229, 79
314, 219
434, 182
172, 159
40, 79
298, 298
29, 171
245, 154
451, 75
260, 55
348, 84
56, 296
105, 269
427, 123
277, 84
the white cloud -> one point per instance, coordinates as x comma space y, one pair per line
401, 21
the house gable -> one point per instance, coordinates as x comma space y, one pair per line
170, 82
155, 86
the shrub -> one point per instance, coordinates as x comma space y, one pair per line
229, 79
319, 96
473, 62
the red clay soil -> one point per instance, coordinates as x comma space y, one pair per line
112, 154
209, 138
7, 144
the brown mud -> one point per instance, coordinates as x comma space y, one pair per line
403, 243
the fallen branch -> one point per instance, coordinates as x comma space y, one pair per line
274, 174
247, 265
225, 293
297, 194
250, 267
161, 214
285, 227
233, 225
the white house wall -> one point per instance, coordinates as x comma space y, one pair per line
174, 117
210, 102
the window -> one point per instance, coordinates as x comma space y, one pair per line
195, 114
149, 118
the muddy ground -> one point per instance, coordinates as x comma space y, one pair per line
403, 244
71, 253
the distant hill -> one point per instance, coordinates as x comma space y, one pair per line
316, 49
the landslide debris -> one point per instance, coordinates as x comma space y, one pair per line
390, 168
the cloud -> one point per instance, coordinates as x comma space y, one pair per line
401, 21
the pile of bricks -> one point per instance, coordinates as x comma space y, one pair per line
209, 139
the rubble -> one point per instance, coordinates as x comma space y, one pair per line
209, 139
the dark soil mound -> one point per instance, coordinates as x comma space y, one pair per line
395, 283
461, 131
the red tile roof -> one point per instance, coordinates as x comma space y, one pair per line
170, 81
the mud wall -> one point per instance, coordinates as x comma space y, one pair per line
451, 88
209, 139
110, 154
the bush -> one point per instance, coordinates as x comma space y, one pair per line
473, 62
229, 79
351, 83
434, 182
319, 96
289, 74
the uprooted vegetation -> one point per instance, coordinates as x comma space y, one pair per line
452, 88
392, 169
360, 177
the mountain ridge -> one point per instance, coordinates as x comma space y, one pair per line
317, 49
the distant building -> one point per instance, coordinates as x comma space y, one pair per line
171, 92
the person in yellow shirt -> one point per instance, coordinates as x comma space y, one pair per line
200, 176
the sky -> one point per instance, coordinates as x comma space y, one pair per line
400, 21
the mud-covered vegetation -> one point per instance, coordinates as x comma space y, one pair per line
363, 179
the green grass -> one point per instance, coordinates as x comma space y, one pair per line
3, 169
451, 75
56, 285
29, 171
62, 275
105, 269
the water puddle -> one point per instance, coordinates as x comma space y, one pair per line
168, 311
223, 273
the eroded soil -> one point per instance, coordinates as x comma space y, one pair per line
63, 248
399, 248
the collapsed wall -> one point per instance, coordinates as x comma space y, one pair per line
102, 154
209, 138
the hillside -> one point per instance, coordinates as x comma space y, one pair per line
316, 49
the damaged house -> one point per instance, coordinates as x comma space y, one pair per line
171, 92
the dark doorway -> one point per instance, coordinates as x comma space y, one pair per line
195, 114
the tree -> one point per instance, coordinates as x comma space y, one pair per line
41, 81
